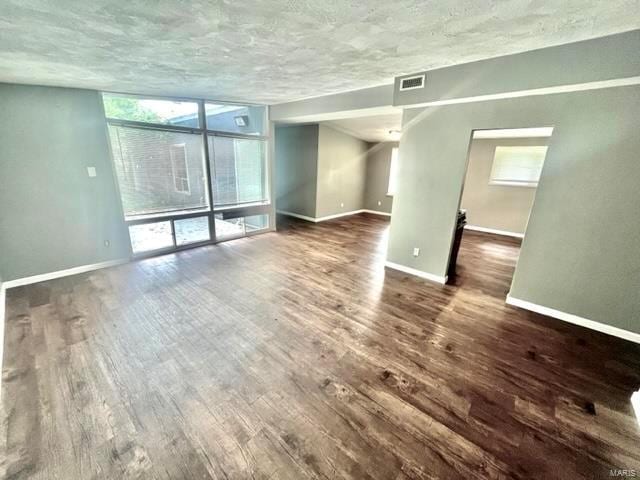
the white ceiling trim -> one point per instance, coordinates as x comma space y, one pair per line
576, 87
514, 133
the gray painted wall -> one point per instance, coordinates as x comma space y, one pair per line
600, 59
296, 168
342, 162
377, 177
498, 207
580, 254
52, 215
319, 168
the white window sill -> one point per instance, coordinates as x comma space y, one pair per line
238, 206
166, 214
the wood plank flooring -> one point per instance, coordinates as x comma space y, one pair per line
294, 355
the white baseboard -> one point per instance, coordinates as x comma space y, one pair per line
4, 286
418, 273
376, 212
494, 231
296, 215
2, 320
568, 317
62, 273
330, 217
338, 215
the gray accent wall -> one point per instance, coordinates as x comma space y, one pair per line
499, 207
600, 59
342, 162
580, 252
377, 177
296, 168
53, 216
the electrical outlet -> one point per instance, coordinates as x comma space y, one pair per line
379, 203
416, 251
91, 171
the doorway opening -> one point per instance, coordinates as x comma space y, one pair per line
503, 171
337, 167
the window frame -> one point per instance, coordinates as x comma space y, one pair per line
239, 209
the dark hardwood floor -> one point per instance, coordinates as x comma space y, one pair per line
295, 355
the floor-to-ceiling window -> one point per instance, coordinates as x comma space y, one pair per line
189, 171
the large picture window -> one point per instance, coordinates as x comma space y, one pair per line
179, 162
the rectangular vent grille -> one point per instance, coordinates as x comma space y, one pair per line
411, 83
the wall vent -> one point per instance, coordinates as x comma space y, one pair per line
411, 83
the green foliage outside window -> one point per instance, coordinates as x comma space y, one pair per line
128, 109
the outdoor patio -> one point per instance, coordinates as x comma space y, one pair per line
148, 237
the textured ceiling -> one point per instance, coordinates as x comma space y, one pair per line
277, 50
371, 129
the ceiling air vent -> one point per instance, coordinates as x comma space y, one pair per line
411, 83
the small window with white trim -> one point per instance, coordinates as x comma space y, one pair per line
179, 168
393, 172
519, 166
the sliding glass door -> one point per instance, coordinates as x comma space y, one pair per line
189, 172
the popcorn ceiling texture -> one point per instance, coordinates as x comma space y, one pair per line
277, 50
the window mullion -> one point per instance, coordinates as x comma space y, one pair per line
207, 166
